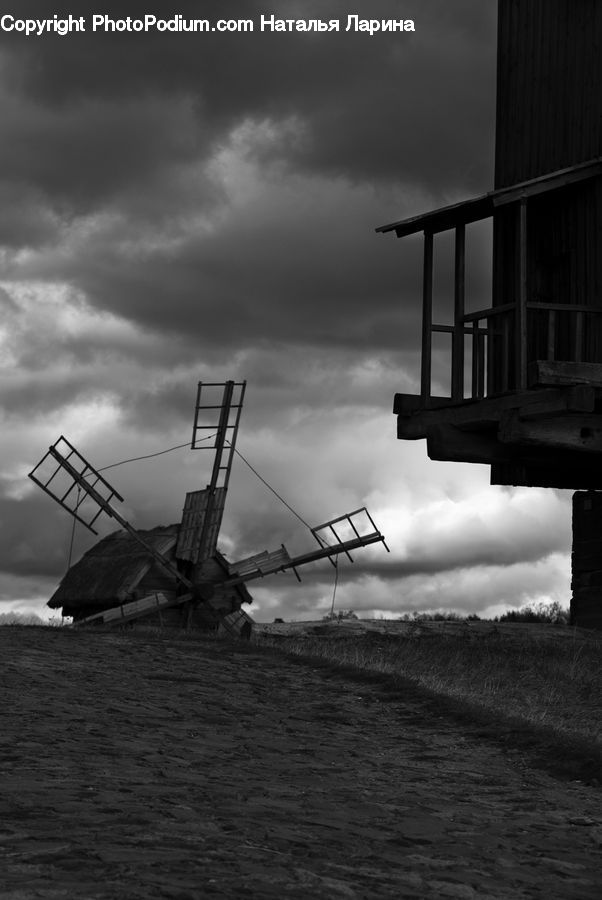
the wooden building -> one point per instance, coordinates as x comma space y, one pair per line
526, 370
118, 571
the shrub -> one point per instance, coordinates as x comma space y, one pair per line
547, 613
339, 616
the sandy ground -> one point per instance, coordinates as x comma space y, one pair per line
141, 767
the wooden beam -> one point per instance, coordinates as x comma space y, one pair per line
474, 383
457, 385
505, 351
592, 578
478, 362
407, 404
578, 340
482, 207
551, 335
576, 475
480, 365
412, 428
552, 181
427, 318
580, 398
552, 373
520, 316
449, 444
443, 218
580, 433
474, 415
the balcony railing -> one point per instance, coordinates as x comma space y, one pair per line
505, 337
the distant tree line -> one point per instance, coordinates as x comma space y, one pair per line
546, 613
22, 618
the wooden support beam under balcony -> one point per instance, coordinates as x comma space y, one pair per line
532, 466
574, 473
448, 443
579, 433
520, 325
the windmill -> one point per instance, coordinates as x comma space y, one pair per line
202, 586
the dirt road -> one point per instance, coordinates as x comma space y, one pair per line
137, 767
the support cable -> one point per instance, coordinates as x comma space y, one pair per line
334, 591
113, 466
179, 447
150, 455
73, 528
273, 490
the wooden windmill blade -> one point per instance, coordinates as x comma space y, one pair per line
203, 510
331, 544
71, 480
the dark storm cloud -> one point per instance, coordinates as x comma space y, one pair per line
274, 377
107, 144
379, 108
477, 555
276, 270
84, 154
25, 218
49, 395
35, 536
269, 273
514, 543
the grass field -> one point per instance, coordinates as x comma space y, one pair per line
145, 762
537, 683
544, 678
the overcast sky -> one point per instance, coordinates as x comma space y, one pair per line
179, 207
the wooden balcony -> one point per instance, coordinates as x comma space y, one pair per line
526, 372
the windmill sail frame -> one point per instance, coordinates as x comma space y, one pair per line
261, 564
91, 489
68, 460
205, 510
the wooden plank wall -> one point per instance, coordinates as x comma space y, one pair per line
565, 266
549, 116
157, 580
549, 87
586, 602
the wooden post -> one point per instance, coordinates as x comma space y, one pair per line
478, 361
505, 324
551, 334
476, 358
458, 333
204, 544
481, 372
578, 349
427, 319
520, 320
586, 583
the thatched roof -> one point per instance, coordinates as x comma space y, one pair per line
110, 571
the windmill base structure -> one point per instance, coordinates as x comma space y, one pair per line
175, 575
117, 582
511, 366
